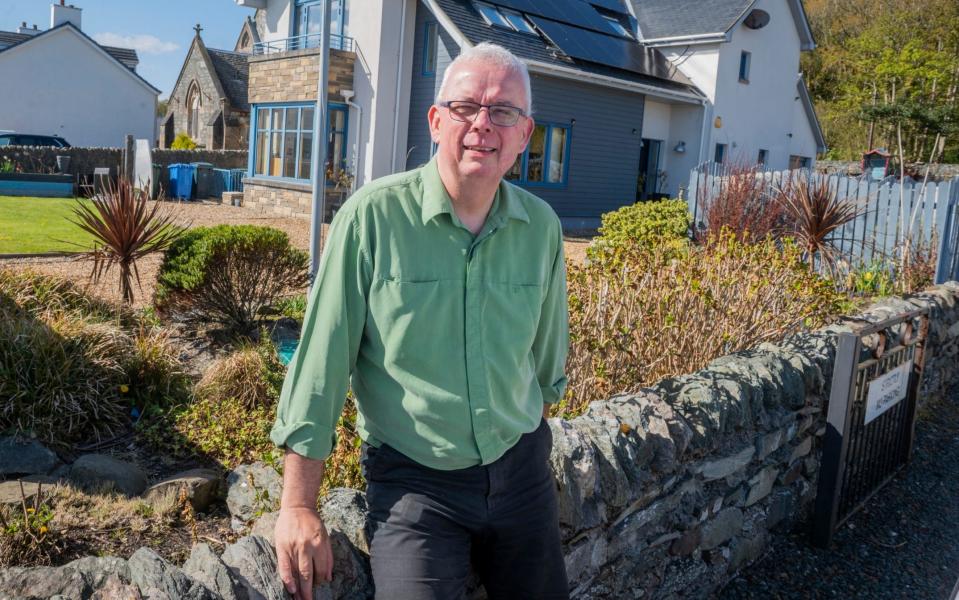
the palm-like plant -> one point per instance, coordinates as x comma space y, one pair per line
814, 213
125, 228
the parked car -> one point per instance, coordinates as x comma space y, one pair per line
26, 139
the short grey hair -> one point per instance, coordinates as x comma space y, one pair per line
490, 54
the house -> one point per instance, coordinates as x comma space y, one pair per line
61, 82
209, 101
627, 96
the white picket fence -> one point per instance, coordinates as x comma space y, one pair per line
930, 212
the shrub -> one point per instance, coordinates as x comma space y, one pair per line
70, 365
26, 536
638, 315
743, 204
183, 141
647, 224
228, 274
293, 307
252, 374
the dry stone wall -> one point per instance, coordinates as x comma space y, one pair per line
42, 159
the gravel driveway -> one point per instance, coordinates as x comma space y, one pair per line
903, 545
195, 214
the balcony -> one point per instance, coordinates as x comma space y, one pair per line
303, 42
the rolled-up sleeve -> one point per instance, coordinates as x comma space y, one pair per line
551, 344
319, 374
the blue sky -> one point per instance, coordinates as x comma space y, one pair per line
160, 30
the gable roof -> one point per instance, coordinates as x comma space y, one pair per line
128, 56
461, 20
249, 27
689, 21
229, 71
233, 71
114, 54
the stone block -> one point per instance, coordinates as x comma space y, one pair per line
769, 443
801, 450
724, 526
761, 484
724, 467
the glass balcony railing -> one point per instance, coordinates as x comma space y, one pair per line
302, 42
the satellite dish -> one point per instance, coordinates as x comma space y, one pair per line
757, 19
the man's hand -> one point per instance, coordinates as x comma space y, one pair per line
303, 551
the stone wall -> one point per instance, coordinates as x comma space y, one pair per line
917, 171
286, 199
293, 76
84, 160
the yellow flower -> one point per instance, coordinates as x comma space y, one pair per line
30, 511
124, 388
43, 529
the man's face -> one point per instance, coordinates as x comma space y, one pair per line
480, 151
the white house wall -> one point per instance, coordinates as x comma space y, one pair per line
699, 63
803, 140
62, 85
279, 21
381, 57
685, 125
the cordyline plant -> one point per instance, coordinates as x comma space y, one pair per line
814, 213
638, 315
125, 228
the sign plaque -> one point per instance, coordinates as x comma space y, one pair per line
887, 390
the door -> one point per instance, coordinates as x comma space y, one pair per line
647, 182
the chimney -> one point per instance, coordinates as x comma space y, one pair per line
63, 13
24, 29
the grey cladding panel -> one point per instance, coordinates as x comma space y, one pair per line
605, 50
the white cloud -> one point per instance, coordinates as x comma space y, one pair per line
144, 44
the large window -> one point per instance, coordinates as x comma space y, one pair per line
309, 22
283, 146
546, 159
193, 111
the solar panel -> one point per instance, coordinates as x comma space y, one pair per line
573, 12
613, 5
605, 50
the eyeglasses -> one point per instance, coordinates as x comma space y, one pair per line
465, 111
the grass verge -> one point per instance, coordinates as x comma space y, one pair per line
34, 225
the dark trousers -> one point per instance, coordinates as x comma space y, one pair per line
428, 525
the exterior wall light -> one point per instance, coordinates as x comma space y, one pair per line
680, 147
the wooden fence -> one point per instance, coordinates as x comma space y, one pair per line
893, 209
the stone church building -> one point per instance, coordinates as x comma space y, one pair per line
209, 101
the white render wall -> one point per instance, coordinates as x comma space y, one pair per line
763, 113
61, 84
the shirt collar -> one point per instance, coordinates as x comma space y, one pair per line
436, 200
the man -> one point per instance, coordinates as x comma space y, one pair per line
442, 291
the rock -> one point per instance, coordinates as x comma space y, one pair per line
724, 467
199, 485
761, 484
252, 561
207, 568
782, 505
725, 525
253, 489
10, 491
573, 462
161, 580
265, 525
687, 543
746, 550
94, 578
769, 443
92, 471
345, 510
801, 449
22, 456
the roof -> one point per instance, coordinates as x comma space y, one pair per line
679, 18
233, 71
706, 20
811, 115
655, 72
128, 56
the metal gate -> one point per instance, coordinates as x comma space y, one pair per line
871, 417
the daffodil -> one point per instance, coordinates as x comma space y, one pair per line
30, 511
124, 388
43, 529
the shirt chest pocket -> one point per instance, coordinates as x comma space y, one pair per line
511, 314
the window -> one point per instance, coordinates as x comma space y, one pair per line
799, 162
518, 21
720, 156
763, 157
617, 25
193, 111
744, 59
430, 39
491, 15
546, 159
309, 23
283, 145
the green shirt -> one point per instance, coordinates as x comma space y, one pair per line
453, 341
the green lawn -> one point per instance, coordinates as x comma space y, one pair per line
32, 225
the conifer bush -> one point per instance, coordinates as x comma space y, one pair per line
228, 275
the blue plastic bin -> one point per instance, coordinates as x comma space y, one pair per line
181, 180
